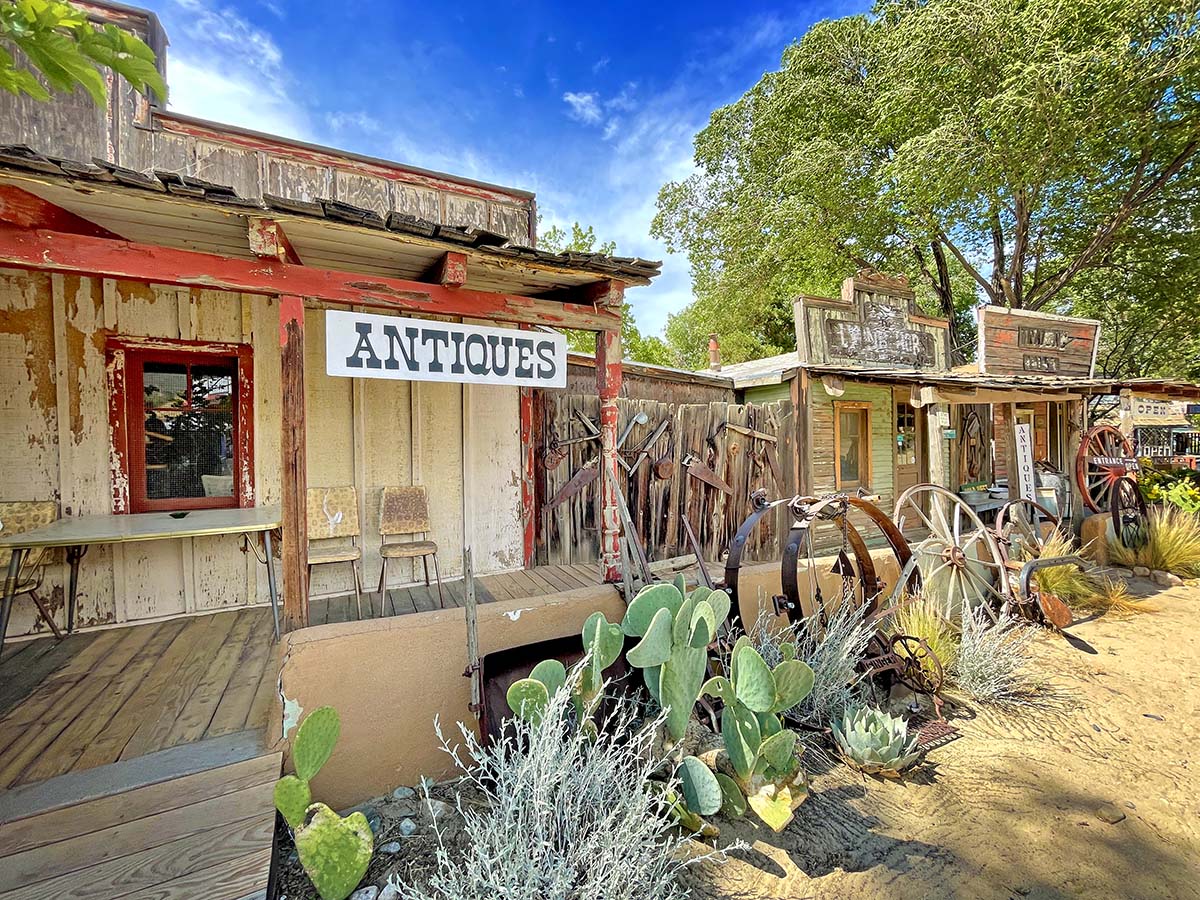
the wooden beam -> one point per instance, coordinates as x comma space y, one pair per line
60, 252
22, 209
604, 294
450, 270
529, 507
268, 240
608, 386
294, 464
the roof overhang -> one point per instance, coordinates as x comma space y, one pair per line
102, 220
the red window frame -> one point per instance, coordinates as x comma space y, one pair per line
126, 359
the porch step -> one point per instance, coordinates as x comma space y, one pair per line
195, 820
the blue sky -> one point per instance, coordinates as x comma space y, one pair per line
593, 107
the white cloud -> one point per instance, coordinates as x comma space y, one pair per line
601, 64
584, 107
343, 121
222, 67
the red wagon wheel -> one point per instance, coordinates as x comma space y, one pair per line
1098, 466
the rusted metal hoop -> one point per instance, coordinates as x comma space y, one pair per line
913, 674
737, 546
1128, 507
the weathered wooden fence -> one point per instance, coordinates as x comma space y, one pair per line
748, 447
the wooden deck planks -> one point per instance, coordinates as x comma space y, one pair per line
256, 657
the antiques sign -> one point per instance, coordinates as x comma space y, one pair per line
1017, 342
881, 336
1025, 474
362, 345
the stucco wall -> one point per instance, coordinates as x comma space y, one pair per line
389, 678
55, 441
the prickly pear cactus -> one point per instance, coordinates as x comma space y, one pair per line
335, 852
314, 741
675, 630
527, 699
292, 796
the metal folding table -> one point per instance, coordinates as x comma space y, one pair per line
76, 534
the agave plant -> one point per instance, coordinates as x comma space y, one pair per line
875, 742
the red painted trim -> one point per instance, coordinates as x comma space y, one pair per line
23, 209
125, 358
291, 309
79, 254
451, 269
529, 509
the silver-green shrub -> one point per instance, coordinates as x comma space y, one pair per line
832, 652
565, 813
992, 663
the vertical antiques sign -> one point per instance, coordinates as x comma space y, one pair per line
362, 345
1026, 482
1018, 342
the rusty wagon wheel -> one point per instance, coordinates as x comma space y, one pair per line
1097, 465
1130, 517
959, 560
921, 670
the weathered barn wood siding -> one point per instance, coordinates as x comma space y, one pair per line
656, 506
882, 421
55, 443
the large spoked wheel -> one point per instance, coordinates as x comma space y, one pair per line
920, 669
1020, 528
1131, 519
959, 560
1097, 465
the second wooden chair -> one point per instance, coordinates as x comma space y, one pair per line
405, 511
333, 513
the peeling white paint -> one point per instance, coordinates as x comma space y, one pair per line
515, 614
292, 710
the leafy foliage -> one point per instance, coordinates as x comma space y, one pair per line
1178, 487
59, 43
634, 345
565, 814
983, 147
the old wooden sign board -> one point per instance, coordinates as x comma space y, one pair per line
874, 325
1018, 342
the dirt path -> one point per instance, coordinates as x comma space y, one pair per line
1010, 809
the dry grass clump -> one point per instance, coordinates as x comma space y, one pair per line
1112, 597
922, 618
1173, 545
1070, 584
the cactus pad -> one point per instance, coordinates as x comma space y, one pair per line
648, 601
720, 602
335, 852
701, 790
314, 741
777, 750
753, 682
527, 699
733, 801
292, 796
603, 639
551, 673
679, 686
743, 738
718, 686
793, 682
654, 648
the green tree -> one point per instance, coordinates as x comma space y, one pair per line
634, 345
59, 43
990, 149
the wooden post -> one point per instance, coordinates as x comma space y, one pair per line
936, 446
608, 386
801, 398
1011, 464
294, 464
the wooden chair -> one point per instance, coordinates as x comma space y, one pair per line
333, 513
17, 516
405, 511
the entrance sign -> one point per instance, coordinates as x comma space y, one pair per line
1025, 475
362, 345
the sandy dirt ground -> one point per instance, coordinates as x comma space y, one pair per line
1016, 807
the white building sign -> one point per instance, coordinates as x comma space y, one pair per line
1025, 475
361, 345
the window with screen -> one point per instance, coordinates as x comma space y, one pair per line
851, 438
184, 432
